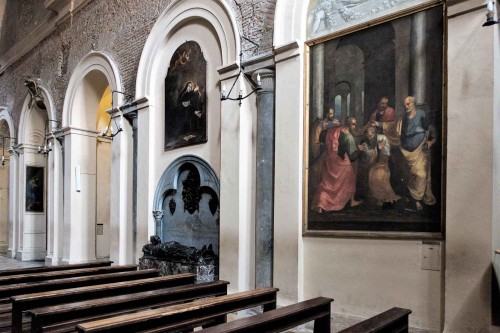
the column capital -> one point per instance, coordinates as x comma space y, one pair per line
266, 78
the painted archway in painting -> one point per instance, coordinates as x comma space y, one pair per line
93, 219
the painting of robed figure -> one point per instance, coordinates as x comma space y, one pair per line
375, 130
185, 97
35, 189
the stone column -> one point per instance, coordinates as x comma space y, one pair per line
418, 55
131, 112
264, 214
317, 80
13, 204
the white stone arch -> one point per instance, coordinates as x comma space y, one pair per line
215, 12
7, 117
211, 24
88, 81
93, 61
290, 21
29, 229
6, 182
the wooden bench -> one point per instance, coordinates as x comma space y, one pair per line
54, 268
185, 316
62, 318
393, 320
36, 287
22, 303
279, 320
43, 276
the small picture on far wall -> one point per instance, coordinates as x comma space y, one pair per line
34, 189
185, 98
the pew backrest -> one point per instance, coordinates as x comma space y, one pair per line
40, 269
392, 320
54, 275
80, 281
21, 303
57, 316
186, 315
282, 319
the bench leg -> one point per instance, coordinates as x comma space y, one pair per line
322, 325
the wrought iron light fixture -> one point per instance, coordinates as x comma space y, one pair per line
108, 131
490, 15
10, 149
47, 145
224, 97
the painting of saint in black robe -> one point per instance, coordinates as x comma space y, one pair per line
185, 97
34, 189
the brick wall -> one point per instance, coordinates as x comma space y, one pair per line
118, 28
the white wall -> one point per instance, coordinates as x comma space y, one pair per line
367, 276
470, 172
103, 193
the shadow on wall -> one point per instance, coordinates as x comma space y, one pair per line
495, 290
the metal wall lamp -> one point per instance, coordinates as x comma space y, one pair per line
490, 15
47, 145
10, 149
108, 131
224, 97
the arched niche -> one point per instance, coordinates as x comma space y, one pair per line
186, 203
93, 218
6, 133
214, 14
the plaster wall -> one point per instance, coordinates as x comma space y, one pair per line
80, 207
34, 224
103, 193
154, 118
364, 276
470, 175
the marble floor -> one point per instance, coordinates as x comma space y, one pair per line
6, 263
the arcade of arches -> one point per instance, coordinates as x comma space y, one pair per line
113, 130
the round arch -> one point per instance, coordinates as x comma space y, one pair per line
26, 110
92, 62
289, 21
216, 13
7, 117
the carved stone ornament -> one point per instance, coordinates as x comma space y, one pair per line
172, 205
158, 214
191, 193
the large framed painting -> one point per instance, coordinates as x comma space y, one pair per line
375, 129
185, 97
35, 189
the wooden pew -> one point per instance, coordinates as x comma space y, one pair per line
392, 320
41, 269
63, 317
44, 276
282, 319
22, 303
185, 316
36, 287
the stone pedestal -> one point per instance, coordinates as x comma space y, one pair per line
204, 272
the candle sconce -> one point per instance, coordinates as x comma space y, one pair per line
255, 88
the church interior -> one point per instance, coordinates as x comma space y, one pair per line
308, 162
